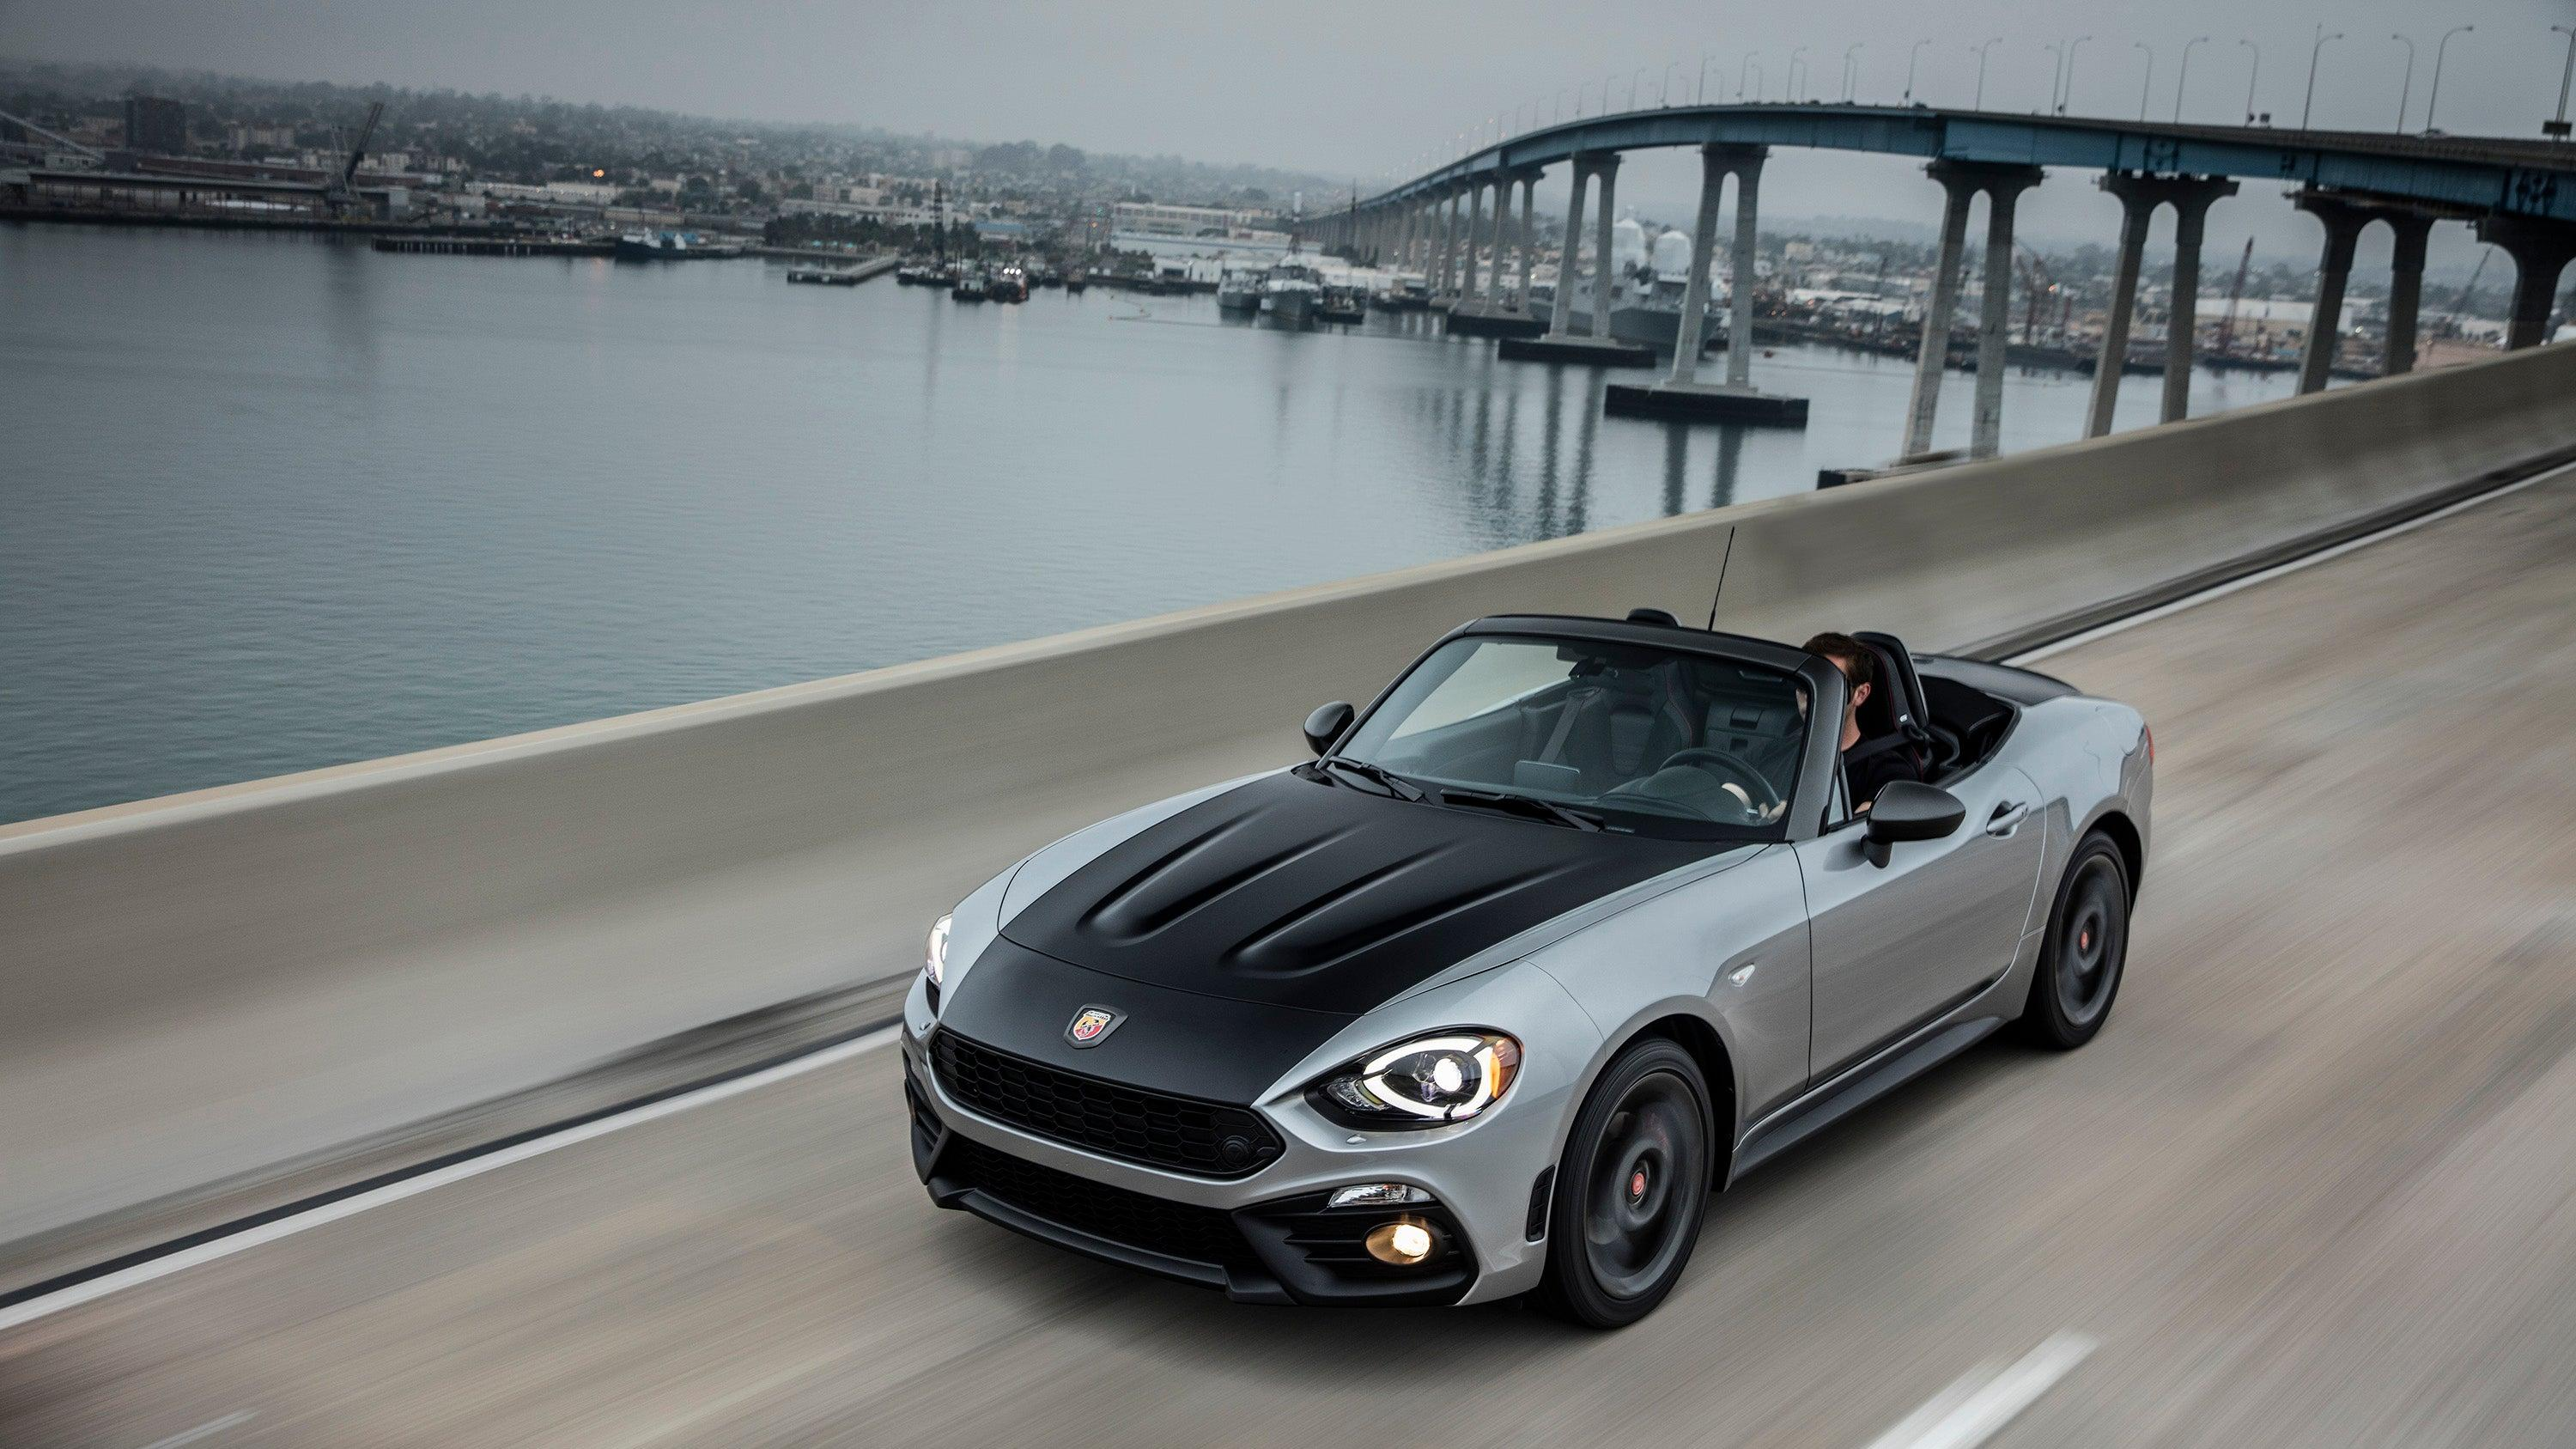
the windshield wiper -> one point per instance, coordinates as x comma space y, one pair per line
1528, 805
1379, 775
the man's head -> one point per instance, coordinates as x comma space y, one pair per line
1858, 664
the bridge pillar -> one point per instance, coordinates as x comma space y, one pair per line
1604, 275
2405, 290
1568, 266
2191, 200
1959, 187
1503, 235
2540, 251
1739, 302
1715, 162
2003, 198
1529, 235
1451, 243
2343, 223
2137, 209
1474, 225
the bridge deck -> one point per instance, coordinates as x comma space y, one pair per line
2483, 173
2309, 1188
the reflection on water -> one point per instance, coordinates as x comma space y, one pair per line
289, 502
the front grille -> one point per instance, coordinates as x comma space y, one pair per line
1200, 1235
1204, 1139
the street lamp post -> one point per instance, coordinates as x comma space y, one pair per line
1699, 95
2069, 95
1981, 50
2439, 52
2405, 88
1635, 81
2147, 82
1912, 56
1664, 87
1741, 72
2558, 128
2184, 74
1851, 71
2056, 69
1761, 78
2253, 68
1790, 87
2314, 51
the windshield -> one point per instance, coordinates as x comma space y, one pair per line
1650, 740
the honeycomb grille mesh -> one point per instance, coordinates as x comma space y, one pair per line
1204, 1139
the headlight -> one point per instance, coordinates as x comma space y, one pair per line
1447, 1077
935, 960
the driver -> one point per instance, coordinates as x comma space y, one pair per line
1869, 762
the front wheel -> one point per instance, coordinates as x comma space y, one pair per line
2086, 949
1632, 1189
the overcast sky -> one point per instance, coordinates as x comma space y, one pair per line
1366, 90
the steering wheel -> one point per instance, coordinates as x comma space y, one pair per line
1725, 763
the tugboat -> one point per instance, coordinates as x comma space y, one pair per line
1075, 281
1291, 290
1010, 284
920, 274
1342, 305
969, 286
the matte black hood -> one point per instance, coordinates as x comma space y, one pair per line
1324, 896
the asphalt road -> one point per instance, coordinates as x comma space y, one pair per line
2314, 1185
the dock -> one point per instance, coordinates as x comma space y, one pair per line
454, 245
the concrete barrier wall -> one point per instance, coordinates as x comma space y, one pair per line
203, 985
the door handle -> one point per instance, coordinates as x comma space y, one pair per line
2007, 818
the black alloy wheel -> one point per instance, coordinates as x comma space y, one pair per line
2086, 948
1632, 1190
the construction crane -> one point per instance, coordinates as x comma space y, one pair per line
340, 192
2235, 296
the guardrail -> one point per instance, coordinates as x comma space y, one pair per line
203, 985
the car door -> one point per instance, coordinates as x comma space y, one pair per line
1898, 944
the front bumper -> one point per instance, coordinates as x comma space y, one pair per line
1267, 1236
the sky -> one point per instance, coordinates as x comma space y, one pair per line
1374, 90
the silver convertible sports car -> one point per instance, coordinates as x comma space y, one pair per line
1573, 925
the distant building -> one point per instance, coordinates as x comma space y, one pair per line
155, 124
1146, 218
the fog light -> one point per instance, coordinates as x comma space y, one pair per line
1401, 1243
1376, 1194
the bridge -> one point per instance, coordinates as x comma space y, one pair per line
2520, 196
536, 1089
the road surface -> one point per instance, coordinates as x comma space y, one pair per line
2314, 1185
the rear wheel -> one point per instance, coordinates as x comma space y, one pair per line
1632, 1189
2085, 951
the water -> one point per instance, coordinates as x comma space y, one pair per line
272, 503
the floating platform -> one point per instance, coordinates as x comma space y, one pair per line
1481, 323
1704, 402
1581, 351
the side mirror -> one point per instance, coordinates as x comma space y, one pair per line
1910, 810
1326, 724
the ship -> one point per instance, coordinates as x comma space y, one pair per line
670, 246
1291, 290
969, 286
823, 276
1239, 290
1010, 284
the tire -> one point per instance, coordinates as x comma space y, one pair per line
1631, 1190
2085, 952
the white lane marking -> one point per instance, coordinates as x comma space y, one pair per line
2220, 591
393, 1192
206, 1430
1974, 1409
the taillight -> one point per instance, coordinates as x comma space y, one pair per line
2151, 742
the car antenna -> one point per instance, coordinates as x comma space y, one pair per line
1723, 560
